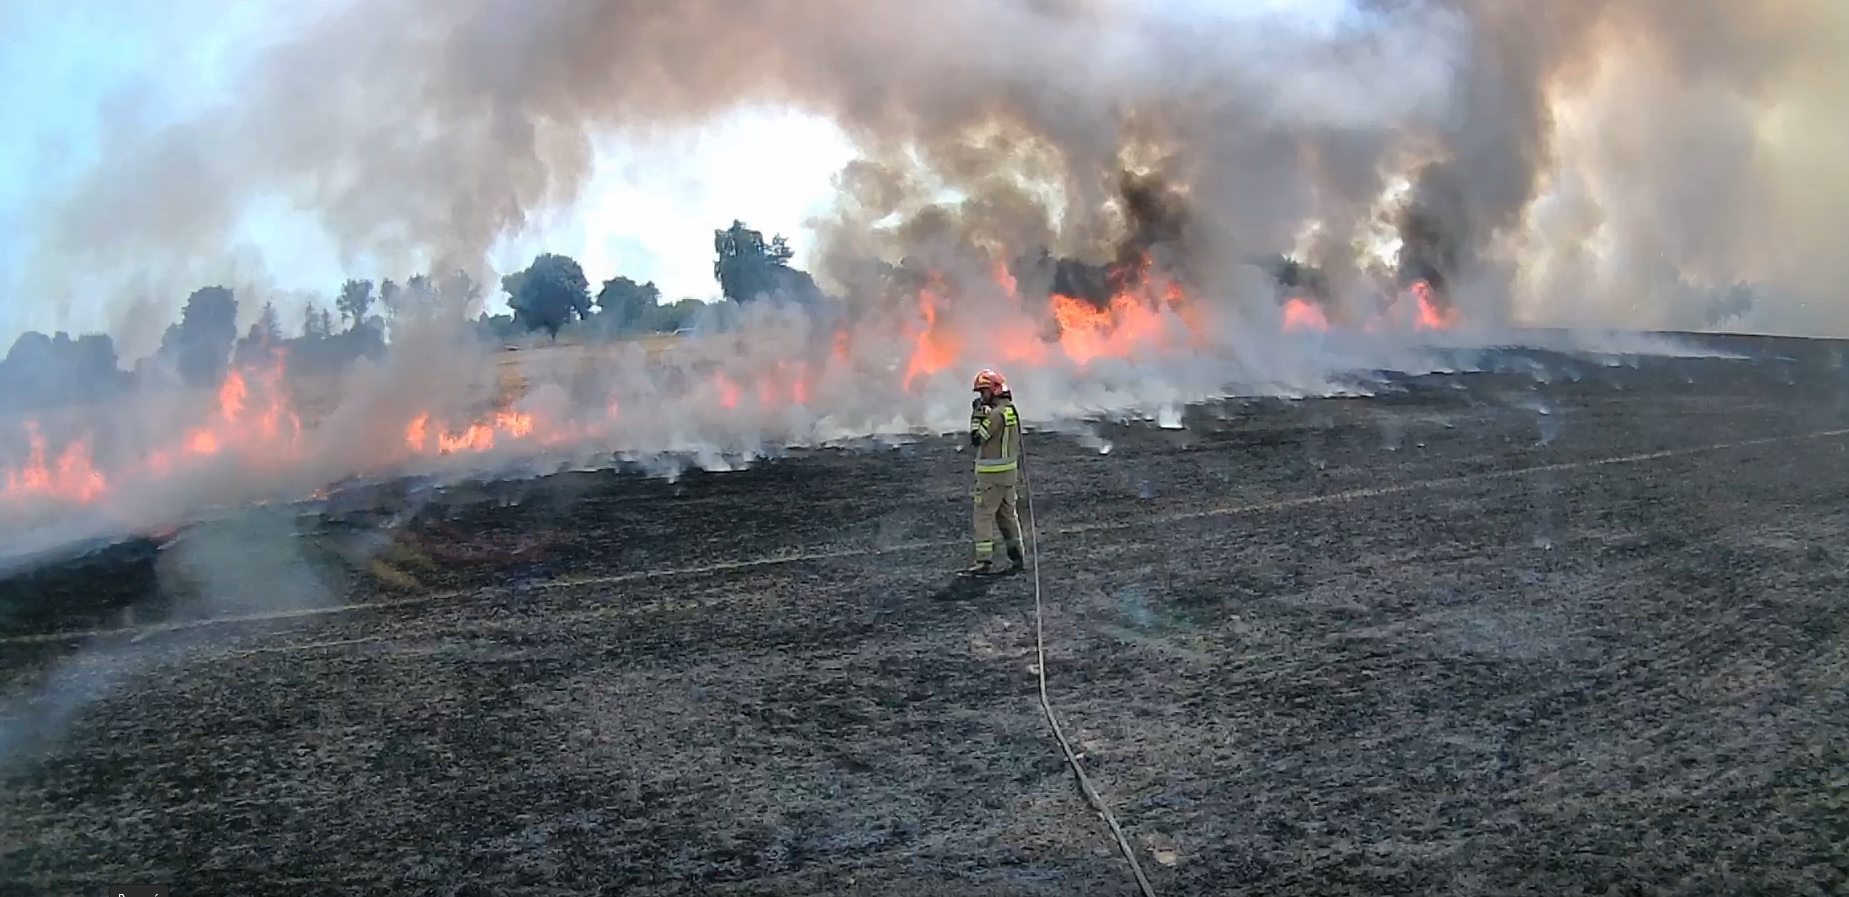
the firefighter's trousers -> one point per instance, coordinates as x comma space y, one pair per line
995, 511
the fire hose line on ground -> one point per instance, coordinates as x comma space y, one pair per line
1046, 704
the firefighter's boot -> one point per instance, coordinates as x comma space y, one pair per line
982, 568
1017, 561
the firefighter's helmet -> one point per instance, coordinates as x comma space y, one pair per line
990, 380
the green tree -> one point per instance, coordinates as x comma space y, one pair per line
391, 295
354, 301
461, 289
625, 306
549, 294
669, 318
420, 292
317, 324
749, 267
262, 341
269, 324
200, 344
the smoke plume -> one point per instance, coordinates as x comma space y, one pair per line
1680, 145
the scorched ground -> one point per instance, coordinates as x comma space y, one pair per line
1486, 634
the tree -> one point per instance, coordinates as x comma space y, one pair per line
354, 301
262, 341
419, 290
497, 328
669, 318
269, 324
1295, 277
624, 305
200, 344
317, 324
390, 295
41, 371
549, 294
748, 267
461, 289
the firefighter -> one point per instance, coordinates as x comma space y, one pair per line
995, 433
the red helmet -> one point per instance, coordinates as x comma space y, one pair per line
991, 380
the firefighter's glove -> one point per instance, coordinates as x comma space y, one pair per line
976, 405
975, 437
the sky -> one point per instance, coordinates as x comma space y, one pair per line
649, 213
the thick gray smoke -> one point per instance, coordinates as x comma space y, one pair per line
1683, 145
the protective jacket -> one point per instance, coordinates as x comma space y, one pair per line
995, 431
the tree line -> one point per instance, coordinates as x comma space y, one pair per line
551, 296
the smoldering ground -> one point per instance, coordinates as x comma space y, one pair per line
249, 563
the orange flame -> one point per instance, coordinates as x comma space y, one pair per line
729, 392
475, 438
1302, 314
417, 433
264, 434
936, 348
1131, 321
70, 478
1088, 333
1431, 317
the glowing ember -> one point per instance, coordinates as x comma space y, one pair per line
1302, 314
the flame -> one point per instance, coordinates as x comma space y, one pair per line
1005, 279
417, 433
477, 437
1302, 314
936, 348
1130, 322
264, 434
1431, 317
1088, 333
71, 478
729, 392
514, 423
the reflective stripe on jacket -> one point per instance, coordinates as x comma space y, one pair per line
1000, 431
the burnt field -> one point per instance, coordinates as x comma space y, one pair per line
1570, 628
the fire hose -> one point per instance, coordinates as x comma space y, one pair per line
1046, 705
